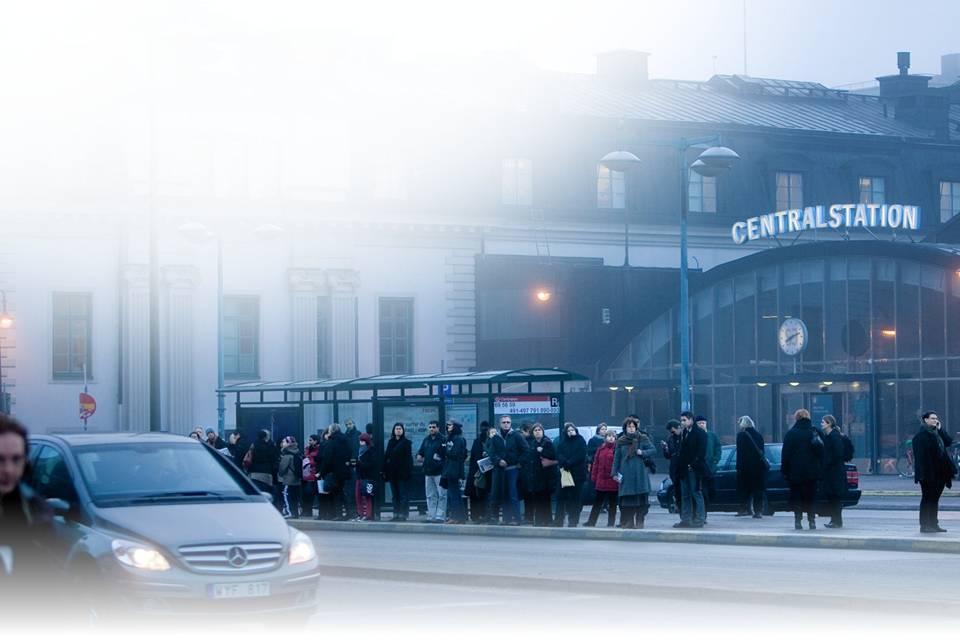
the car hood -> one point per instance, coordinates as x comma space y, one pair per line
174, 525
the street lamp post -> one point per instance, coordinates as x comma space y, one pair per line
200, 232
712, 162
6, 322
622, 161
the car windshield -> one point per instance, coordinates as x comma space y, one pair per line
134, 473
728, 459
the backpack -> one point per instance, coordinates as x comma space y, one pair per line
848, 450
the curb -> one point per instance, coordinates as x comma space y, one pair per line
902, 493
909, 544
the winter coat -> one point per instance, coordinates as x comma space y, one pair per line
27, 527
714, 452
309, 469
495, 448
671, 452
432, 450
800, 460
476, 454
931, 462
368, 464
290, 469
750, 456
572, 456
539, 479
238, 451
693, 452
398, 460
335, 458
602, 469
629, 463
353, 442
514, 448
266, 457
455, 455
592, 447
834, 468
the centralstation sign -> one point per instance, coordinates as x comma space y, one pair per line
848, 216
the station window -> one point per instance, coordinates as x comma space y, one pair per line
702, 193
611, 189
789, 191
241, 337
949, 200
71, 334
872, 190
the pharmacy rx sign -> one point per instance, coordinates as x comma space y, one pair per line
820, 217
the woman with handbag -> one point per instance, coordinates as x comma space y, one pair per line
542, 479
478, 484
397, 470
634, 449
752, 467
572, 460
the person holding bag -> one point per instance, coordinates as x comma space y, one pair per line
543, 473
572, 460
752, 467
397, 470
634, 448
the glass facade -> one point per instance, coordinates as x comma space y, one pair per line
884, 345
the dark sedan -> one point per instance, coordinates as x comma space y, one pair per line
778, 493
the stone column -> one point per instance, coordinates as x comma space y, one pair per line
178, 350
343, 302
306, 285
135, 331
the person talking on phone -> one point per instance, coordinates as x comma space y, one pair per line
932, 469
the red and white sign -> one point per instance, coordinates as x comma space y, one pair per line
527, 405
88, 406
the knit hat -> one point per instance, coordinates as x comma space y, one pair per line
366, 438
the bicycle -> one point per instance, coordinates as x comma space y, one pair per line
905, 460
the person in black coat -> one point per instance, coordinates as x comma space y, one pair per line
238, 447
542, 476
670, 448
527, 472
495, 448
932, 469
752, 467
834, 482
801, 463
335, 470
478, 495
397, 470
571, 457
453, 461
265, 459
595, 443
693, 468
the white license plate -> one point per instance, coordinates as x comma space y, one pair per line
239, 590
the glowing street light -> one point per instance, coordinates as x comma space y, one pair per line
544, 295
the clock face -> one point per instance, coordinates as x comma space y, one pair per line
792, 336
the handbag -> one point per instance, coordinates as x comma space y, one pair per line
248, 458
479, 480
566, 478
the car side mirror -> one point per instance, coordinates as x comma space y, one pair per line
60, 507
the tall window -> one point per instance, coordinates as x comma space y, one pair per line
702, 193
71, 335
517, 183
611, 189
872, 190
241, 337
949, 200
396, 336
324, 338
789, 191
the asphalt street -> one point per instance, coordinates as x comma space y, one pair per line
478, 581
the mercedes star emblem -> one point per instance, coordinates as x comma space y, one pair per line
237, 557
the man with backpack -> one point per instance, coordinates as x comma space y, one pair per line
835, 450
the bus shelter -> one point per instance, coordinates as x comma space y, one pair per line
375, 404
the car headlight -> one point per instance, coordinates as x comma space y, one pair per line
301, 548
139, 556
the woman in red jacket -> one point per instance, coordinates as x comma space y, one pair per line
605, 484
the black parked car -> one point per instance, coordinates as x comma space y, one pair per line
778, 493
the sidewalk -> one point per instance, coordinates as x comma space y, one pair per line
864, 531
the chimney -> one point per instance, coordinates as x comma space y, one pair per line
950, 68
914, 101
623, 67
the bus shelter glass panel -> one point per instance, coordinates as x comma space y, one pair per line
361, 412
416, 418
316, 418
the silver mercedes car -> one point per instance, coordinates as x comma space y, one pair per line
162, 524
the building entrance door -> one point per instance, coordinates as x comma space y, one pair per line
851, 402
